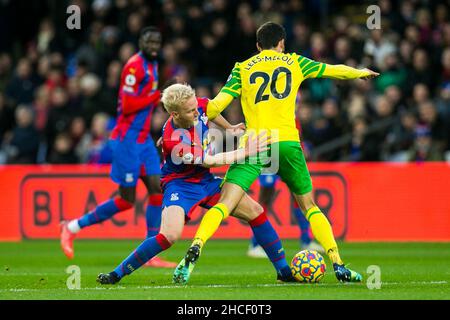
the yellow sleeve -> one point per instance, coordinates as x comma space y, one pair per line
315, 69
218, 104
233, 85
309, 68
343, 72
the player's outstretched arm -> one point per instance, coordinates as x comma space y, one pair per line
343, 72
316, 69
253, 146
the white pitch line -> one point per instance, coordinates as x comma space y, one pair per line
224, 286
286, 285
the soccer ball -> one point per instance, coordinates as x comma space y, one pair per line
308, 266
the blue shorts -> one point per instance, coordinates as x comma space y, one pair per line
268, 180
189, 195
132, 160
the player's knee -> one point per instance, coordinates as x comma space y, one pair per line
172, 236
154, 188
128, 196
257, 208
255, 211
258, 211
153, 185
123, 204
164, 240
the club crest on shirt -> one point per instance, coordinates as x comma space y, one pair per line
188, 157
130, 80
204, 119
129, 177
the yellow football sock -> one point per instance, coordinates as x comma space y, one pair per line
322, 231
210, 223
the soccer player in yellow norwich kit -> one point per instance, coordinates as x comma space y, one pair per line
267, 84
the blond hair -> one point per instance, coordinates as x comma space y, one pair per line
175, 95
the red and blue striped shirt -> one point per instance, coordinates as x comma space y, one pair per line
184, 149
137, 99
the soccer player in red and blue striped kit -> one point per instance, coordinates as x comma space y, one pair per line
187, 182
134, 153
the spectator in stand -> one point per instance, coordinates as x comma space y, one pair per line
421, 94
423, 17
245, 39
411, 50
77, 131
172, 67
75, 98
379, 46
300, 42
443, 104
420, 72
134, 25
392, 73
342, 50
445, 61
56, 77
93, 147
6, 117
94, 99
41, 106
429, 117
126, 51
395, 96
5, 70
424, 148
63, 151
402, 134
332, 114
24, 141
110, 89
22, 85
59, 117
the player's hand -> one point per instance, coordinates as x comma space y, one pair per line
255, 145
372, 74
159, 142
156, 96
238, 129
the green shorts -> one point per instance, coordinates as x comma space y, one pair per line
290, 165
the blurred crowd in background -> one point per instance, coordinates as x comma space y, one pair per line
58, 87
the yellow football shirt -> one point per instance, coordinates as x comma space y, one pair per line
267, 84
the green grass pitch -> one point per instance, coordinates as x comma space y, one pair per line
37, 270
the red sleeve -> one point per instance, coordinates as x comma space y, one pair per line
132, 100
203, 103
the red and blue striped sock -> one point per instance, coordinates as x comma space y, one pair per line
104, 211
305, 238
149, 248
268, 238
153, 214
254, 242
